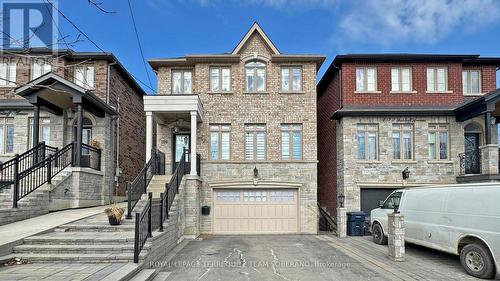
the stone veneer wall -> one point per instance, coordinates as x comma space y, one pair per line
303, 173
386, 172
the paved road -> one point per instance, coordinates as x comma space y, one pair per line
305, 257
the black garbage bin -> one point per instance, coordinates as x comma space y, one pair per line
355, 223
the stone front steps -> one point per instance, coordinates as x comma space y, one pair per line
157, 184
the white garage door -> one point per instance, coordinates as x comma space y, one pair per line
249, 211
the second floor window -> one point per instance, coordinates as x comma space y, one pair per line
40, 68
291, 142
367, 142
255, 76
220, 142
182, 82
7, 74
44, 131
291, 79
471, 81
438, 142
437, 78
84, 76
401, 79
366, 78
220, 79
255, 142
7, 135
402, 141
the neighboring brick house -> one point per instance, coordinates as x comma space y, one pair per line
381, 113
100, 73
251, 115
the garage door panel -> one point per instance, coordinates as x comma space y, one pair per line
243, 211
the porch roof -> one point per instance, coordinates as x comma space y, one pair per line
55, 93
480, 105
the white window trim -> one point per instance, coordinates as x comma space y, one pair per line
446, 89
436, 150
365, 86
290, 79
254, 141
183, 91
290, 141
10, 75
400, 80
401, 131
84, 83
4, 124
480, 93
367, 152
220, 68
255, 90
219, 132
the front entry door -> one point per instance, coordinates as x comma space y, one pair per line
181, 142
472, 164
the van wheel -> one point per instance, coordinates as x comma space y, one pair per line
378, 235
477, 261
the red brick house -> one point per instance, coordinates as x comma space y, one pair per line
381, 113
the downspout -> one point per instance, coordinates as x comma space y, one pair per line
113, 122
109, 80
117, 168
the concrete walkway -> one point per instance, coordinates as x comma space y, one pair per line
12, 234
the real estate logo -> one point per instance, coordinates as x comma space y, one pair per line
29, 24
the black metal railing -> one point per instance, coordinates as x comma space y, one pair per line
172, 188
143, 227
42, 172
470, 162
90, 157
138, 186
22, 162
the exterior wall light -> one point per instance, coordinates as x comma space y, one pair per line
406, 173
255, 172
341, 200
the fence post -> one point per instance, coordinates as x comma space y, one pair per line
49, 169
150, 214
99, 151
162, 203
145, 177
136, 239
166, 207
16, 181
129, 201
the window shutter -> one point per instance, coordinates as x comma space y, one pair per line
12, 74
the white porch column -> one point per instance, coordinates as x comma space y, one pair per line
149, 134
193, 143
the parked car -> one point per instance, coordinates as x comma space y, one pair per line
462, 219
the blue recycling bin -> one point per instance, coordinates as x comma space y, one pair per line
355, 223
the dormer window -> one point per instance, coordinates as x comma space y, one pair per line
256, 76
182, 82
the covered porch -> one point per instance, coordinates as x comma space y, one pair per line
480, 160
172, 127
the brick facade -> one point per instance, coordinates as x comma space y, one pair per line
237, 108
339, 170
123, 95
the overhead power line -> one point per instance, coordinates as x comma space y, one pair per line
139, 43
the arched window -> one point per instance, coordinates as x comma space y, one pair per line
473, 127
256, 76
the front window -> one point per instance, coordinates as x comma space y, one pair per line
7, 135
84, 76
402, 141
291, 79
44, 131
366, 79
7, 74
182, 82
220, 142
220, 79
40, 68
392, 200
438, 142
291, 141
471, 81
367, 142
401, 79
437, 79
255, 142
255, 76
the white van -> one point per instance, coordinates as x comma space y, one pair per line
462, 219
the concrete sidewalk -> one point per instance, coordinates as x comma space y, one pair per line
12, 234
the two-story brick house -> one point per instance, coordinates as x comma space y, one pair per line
54, 88
379, 114
251, 115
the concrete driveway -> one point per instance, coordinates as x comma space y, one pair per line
305, 257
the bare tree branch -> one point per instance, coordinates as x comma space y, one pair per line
98, 5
